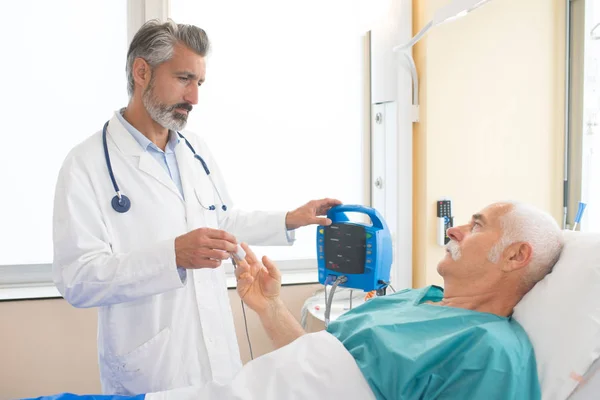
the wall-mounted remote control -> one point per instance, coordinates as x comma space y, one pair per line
445, 220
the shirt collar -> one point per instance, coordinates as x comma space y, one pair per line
143, 140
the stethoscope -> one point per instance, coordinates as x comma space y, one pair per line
121, 203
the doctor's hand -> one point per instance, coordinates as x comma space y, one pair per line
258, 283
203, 248
310, 214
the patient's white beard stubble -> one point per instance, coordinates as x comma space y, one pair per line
493, 255
454, 250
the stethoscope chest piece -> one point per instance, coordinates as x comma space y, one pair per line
121, 205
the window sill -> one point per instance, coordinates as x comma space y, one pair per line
29, 292
8, 293
287, 278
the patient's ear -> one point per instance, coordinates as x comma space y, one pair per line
517, 256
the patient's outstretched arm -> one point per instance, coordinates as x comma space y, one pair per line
280, 324
258, 285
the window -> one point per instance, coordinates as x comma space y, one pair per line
282, 108
585, 112
591, 118
62, 76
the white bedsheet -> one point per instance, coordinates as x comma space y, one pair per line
314, 366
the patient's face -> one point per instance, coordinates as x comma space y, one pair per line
467, 253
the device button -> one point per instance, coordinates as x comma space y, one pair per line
368, 261
321, 231
369, 252
369, 236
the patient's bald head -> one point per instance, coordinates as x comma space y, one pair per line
506, 246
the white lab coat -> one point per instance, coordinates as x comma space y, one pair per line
155, 332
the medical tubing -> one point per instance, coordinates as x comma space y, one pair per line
351, 299
107, 156
388, 284
325, 288
339, 279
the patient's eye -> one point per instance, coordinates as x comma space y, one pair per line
475, 226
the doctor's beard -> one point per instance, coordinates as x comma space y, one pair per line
454, 250
162, 114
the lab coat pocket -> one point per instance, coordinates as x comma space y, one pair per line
146, 368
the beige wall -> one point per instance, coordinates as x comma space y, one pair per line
49, 347
491, 127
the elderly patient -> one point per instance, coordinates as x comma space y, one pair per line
455, 343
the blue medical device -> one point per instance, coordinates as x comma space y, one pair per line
362, 253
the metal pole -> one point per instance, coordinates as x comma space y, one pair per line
567, 110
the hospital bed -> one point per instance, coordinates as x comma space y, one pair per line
561, 315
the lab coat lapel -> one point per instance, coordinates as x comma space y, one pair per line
146, 163
149, 165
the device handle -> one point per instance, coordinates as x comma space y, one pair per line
336, 214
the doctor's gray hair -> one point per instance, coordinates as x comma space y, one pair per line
155, 41
525, 223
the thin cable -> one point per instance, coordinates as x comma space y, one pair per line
246, 326
245, 319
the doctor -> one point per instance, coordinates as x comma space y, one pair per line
142, 222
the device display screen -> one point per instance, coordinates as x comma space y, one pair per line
345, 248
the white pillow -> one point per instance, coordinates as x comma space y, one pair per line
561, 315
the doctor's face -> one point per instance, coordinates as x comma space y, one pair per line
173, 89
468, 254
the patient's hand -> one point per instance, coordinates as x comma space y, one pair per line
258, 283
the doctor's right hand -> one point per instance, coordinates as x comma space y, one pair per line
204, 248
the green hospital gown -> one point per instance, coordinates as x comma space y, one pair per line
407, 349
